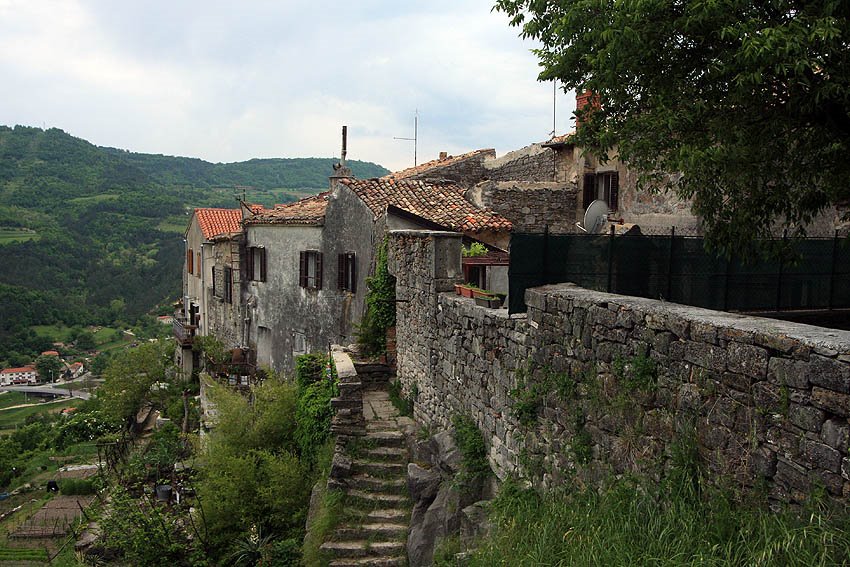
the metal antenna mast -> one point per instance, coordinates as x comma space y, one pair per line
415, 138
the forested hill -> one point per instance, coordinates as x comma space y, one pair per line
94, 235
266, 174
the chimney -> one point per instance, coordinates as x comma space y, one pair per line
585, 102
340, 169
443, 156
344, 145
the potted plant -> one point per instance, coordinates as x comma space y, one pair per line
466, 291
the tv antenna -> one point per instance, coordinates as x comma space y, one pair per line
243, 189
554, 105
415, 138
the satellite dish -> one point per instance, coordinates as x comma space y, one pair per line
595, 215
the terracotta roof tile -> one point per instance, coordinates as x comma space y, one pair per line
214, 222
437, 163
17, 370
441, 203
563, 140
307, 211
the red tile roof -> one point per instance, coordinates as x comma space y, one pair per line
440, 202
214, 222
50, 353
17, 370
307, 211
563, 140
437, 163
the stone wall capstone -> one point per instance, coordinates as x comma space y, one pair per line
595, 384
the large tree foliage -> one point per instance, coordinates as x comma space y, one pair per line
749, 101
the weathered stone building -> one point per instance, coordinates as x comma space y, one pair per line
210, 281
307, 262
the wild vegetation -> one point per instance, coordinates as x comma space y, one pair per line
635, 522
92, 235
380, 306
252, 476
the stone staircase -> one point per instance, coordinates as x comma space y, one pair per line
376, 513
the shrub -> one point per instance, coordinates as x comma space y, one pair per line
77, 486
474, 465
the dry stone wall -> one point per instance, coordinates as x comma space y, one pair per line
531, 163
530, 206
594, 384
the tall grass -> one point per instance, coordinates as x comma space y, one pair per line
635, 523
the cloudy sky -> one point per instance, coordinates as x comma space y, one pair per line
228, 81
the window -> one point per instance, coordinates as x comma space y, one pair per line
198, 265
190, 257
257, 263
299, 343
347, 274
310, 269
216, 291
603, 186
228, 285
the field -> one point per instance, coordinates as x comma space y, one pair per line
12, 235
9, 418
104, 337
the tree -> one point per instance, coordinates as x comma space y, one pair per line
749, 101
85, 341
48, 367
129, 378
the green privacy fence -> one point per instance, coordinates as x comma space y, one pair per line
678, 269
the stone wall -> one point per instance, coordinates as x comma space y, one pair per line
531, 163
594, 384
464, 170
529, 205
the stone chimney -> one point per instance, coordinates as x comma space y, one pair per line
444, 156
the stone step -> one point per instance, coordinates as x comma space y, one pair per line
381, 425
378, 531
398, 561
386, 438
389, 454
367, 499
363, 548
369, 483
379, 468
388, 515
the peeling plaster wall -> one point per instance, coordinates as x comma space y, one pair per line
765, 402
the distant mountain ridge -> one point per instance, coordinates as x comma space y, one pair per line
93, 235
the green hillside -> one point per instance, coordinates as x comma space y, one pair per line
92, 235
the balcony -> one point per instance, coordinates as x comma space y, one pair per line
183, 332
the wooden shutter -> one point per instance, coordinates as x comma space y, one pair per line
589, 193
249, 264
302, 269
198, 265
318, 270
353, 269
262, 264
190, 256
228, 285
340, 274
215, 292
615, 191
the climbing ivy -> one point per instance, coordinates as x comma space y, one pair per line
380, 306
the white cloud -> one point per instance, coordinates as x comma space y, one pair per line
227, 82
